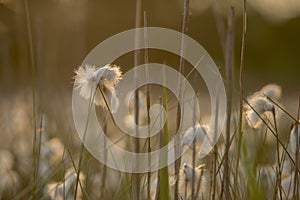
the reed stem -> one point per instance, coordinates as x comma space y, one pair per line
242, 61
229, 78
180, 111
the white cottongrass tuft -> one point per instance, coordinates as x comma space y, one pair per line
59, 190
188, 172
10, 179
273, 91
50, 155
287, 185
266, 178
293, 138
89, 79
185, 181
130, 99
10, 183
197, 132
6, 160
261, 105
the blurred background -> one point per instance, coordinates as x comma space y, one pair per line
63, 32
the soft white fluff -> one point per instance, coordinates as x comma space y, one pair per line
293, 138
90, 79
198, 132
260, 105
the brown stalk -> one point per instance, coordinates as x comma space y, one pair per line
137, 61
242, 61
147, 102
177, 148
296, 180
229, 78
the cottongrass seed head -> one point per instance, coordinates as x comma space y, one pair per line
273, 91
261, 105
200, 181
89, 79
197, 132
66, 188
293, 138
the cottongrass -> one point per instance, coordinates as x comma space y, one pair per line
6, 160
51, 154
186, 182
293, 137
89, 79
287, 185
266, 175
260, 104
65, 188
10, 180
15, 164
143, 116
197, 132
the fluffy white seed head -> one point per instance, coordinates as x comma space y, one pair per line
293, 138
85, 79
185, 181
89, 79
6, 160
50, 155
260, 106
109, 76
188, 172
10, 182
272, 90
57, 190
198, 132
142, 100
143, 117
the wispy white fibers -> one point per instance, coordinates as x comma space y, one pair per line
6, 160
271, 90
293, 138
200, 184
261, 105
9, 179
129, 119
65, 188
198, 132
51, 154
89, 79
188, 172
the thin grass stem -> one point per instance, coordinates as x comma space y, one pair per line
273, 133
180, 111
146, 57
242, 61
296, 176
229, 78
